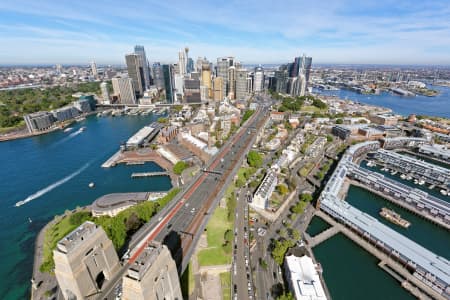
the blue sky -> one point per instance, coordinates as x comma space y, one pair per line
255, 31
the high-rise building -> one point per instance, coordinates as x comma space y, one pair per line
123, 87
258, 84
223, 63
192, 91
168, 82
305, 67
182, 61
281, 77
241, 84
157, 74
136, 72
58, 69
139, 50
231, 83
190, 65
206, 78
105, 92
84, 260
94, 69
179, 87
152, 276
218, 89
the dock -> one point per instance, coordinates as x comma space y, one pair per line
112, 161
149, 174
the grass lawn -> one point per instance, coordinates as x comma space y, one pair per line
310, 108
187, 281
225, 281
304, 171
215, 254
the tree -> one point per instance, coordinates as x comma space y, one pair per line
179, 167
254, 159
163, 120
282, 189
306, 197
339, 121
247, 115
286, 296
329, 138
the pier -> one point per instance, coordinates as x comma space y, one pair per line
323, 236
149, 174
420, 266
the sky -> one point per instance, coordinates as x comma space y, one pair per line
254, 31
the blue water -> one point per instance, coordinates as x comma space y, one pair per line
58, 167
421, 105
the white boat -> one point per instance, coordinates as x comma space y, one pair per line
431, 186
68, 129
82, 129
416, 181
421, 182
444, 192
91, 185
403, 176
394, 172
409, 177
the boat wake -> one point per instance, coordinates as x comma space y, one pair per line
51, 186
70, 136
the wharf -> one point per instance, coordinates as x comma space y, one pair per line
112, 161
149, 174
418, 287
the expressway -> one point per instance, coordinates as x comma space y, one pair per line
180, 224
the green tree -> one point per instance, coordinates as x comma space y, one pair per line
179, 167
306, 197
329, 138
282, 189
286, 296
254, 159
339, 121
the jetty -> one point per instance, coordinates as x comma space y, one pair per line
149, 174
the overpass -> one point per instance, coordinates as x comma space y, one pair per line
181, 222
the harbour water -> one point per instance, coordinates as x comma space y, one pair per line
52, 173
422, 105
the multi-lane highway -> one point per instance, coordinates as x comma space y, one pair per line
180, 224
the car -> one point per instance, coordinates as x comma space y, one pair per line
193, 210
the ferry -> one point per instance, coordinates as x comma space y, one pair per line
68, 129
394, 217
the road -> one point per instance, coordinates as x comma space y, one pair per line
181, 223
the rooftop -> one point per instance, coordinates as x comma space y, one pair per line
78, 235
144, 261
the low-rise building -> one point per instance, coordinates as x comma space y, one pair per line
303, 278
384, 119
39, 121
261, 198
277, 116
167, 134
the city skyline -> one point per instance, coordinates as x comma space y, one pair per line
341, 32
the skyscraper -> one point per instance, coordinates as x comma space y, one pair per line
123, 87
218, 89
168, 82
182, 61
105, 92
223, 63
136, 72
94, 69
206, 78
190, 65
139, 50
241, 84
305, 67
231, 83
158, 77
258, 84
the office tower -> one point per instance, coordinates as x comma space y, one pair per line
190, 65
199, 63
297, 85
136, 73
223, 63
139, 50
231, 83
58, 68
179, 86
281, 76
94, 69
218, 89
123, 87
105, 92
158, 77
84, 260
258, 84
241, 84
192, 91
182, 61
293, 68
152, 276
250, 83
168, 82
206, 78
305, 67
